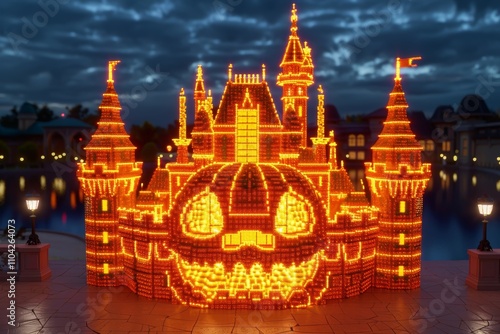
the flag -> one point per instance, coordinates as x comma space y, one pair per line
408, 62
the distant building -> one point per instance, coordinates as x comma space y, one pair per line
61, 135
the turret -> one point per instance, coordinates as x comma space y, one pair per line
199, 90
397, 180
296, 76
109, 179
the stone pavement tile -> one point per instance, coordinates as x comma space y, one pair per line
274, 330
306, 318
212, 330
119, 325
211, 319
473, 326
351, 328
185, 313
312, 329
179, 324
148, 320
245, 330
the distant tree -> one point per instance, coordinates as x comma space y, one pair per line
149, 152
92, 118
10, 121
77, 111
45, 114
29, 151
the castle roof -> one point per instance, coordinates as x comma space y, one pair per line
234, 94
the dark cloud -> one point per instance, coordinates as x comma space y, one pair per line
60, 57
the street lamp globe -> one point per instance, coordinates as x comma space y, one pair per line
485, 206
32, 201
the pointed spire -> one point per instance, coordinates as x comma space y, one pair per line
333, 152
320, 118
182, 114
294, 18
200, 85
111, 67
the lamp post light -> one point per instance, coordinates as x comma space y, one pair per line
485, 206
32, 201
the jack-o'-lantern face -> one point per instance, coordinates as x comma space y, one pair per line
246, 231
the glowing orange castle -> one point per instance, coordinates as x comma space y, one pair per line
255, 219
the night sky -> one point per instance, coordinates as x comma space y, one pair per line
58, 55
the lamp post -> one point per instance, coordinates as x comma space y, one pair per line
485, 206
32, 201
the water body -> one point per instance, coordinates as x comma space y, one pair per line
451, 222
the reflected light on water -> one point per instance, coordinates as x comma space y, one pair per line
22, 183
53, 199
72, 200
2, 191
59, 185
474, 180
455, 177
498, 185
43, 182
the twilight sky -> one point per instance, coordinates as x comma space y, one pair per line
55, 52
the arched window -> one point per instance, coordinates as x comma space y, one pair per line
360, 140
352, 140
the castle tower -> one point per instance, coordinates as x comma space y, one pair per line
296, 76
397, 179
202, 134
109, 179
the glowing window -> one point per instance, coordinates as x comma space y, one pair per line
104, 205
105, 237
429, 145
246, 135
446, 146
352, 140
178, 181
105, 268
402, 206
294, 216
401, 239
361, 155
300, 91
360, 140
352, 155
401, 271
202, 216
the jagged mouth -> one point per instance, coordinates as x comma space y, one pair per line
215, 282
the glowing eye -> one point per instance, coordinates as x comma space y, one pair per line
294, 216
202, 216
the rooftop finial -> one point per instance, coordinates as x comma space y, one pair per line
294, 18
111, 66
199, 75
404, 62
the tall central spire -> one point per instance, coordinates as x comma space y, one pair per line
294, 18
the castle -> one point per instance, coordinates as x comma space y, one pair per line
255, 218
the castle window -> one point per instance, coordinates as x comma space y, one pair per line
446, 146
352, 155
401, 239
104, 205
352, 140
401, 271
289, 92
361, 155
105, 237
402, 206
360, 140
299, 91
105, 268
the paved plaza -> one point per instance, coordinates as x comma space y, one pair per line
65, 304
